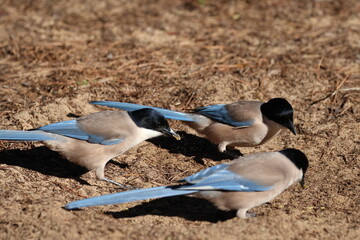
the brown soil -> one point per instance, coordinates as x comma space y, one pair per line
55, 56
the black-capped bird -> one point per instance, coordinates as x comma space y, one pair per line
92, 140
239, 185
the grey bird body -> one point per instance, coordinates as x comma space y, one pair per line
112, 125
92, 140
268, 169
258, 132
239, 185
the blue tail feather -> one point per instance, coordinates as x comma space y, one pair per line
132, 107
128, 196
15, 135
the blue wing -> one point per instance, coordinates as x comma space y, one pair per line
219, 178
220, 113
72, 130
132, 107
200, 176
226, 181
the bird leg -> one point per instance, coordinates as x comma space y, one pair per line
241, 213
222, 146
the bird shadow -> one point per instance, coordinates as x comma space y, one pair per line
45, 161
193, 146
190, 208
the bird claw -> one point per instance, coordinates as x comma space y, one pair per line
231, 154
250, 215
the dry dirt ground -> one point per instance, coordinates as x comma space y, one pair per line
55, 56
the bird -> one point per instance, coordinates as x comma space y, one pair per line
92, 140
239, 185
238, 124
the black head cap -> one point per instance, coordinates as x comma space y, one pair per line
152, 119
298, 158
279, 110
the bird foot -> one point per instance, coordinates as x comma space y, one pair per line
229, 150
250, 215
242, 213
232, 154
122, 186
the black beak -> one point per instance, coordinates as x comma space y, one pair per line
291, 127
302, 182
171, 133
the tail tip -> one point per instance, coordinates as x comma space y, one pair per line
69, 207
